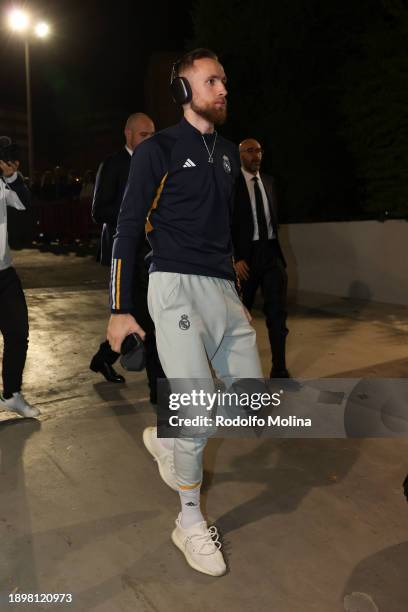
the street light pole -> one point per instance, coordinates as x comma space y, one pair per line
29, 112
19, 21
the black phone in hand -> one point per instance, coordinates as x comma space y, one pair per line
133, 356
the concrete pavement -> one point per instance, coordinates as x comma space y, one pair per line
308, 525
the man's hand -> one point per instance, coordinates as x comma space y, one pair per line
120, 326
242, 269
8, 168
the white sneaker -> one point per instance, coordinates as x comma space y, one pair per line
162, 455
201, 547
18, 404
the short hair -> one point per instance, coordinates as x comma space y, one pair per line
188, 59
134, 117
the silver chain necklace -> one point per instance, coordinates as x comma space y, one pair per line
210, 155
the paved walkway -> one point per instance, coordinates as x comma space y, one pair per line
305, 523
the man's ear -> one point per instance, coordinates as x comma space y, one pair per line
17, 163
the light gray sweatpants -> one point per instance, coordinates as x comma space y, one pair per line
200, 319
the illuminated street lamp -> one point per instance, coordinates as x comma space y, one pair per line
19, 21
42, 29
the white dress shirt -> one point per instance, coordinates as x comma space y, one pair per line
251, 190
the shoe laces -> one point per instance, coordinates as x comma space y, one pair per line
204, 543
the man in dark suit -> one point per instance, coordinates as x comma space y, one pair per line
259, 260
111, 182
109, 189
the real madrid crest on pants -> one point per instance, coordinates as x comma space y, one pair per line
184, 323
226, 164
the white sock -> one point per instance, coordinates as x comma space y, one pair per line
190, 507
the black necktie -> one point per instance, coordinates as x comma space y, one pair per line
260, 211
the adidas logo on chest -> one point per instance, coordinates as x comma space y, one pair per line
189, 163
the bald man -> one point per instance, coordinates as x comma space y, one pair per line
111, 181
109, 189
259, 261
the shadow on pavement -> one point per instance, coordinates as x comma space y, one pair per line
301, 465
382, 577
18, 549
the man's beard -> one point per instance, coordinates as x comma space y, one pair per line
254, 167
214, 115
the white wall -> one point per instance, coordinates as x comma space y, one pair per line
359, 259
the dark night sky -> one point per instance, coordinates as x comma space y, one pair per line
95, 59
322, 84
101, 45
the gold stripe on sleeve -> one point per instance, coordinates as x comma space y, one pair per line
119, 266
148, 225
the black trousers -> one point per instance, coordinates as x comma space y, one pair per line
14, 327
154, 369
267, 271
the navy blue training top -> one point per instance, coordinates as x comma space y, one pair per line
183, 202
